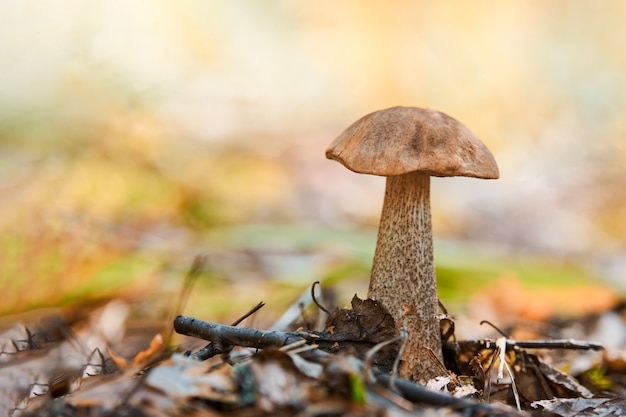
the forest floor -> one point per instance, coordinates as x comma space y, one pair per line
115, 359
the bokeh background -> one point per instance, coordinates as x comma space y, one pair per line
135, 135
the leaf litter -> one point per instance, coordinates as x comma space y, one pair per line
59, 366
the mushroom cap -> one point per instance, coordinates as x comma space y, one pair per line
400, 140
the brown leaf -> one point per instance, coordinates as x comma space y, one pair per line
361, 328
119, 361
154, 350
582, 407
278, 383
182, 377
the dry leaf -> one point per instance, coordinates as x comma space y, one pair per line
120, 362
154, 350
182, 377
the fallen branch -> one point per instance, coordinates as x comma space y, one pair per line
223, 337
209, 350
530, 344
556, 344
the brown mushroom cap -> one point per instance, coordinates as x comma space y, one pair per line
400, 140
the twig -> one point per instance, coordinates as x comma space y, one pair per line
548, 344
209, 350
513, 385
556, 344
419, 394
436, 361
442, 306
501, 348
249, 313
298, 347
190, 279
487, 382
496, 328
197, 266
224, 337
321, 307
533, 344
404, 334
370, 354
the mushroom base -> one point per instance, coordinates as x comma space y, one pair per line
403, 275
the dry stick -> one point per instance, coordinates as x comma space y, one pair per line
396, 363
224, 337
496, 328
321, 319
190, 279
502, 348
367, 367
192, 276
556, 344
420, 394
437, 362
369, 356
102, 365
487, 385
253, 310
535, 344
293, 346
547, 344
321, 307
208, 351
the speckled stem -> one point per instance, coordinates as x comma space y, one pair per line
403, 274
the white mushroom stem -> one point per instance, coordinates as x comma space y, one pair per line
403, 274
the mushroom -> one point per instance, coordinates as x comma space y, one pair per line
408, 145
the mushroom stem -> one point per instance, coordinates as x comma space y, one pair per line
403, 275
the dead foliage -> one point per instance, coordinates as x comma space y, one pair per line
56, 367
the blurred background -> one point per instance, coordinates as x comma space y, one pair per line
136, 135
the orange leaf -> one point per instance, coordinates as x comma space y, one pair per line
118, 360
156, 347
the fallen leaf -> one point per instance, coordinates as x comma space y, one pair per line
118, 360
182, 377
154, 350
